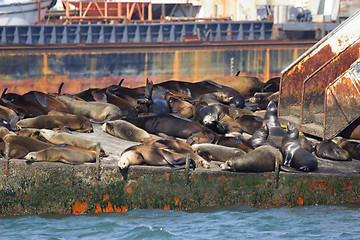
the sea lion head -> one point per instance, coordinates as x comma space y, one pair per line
32, 156
128, 158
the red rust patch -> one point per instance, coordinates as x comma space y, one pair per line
166, 176
221, 178
211, 178
167, 207
177, 201
106, 197
347, 185
79, 207
300, 201
278, 204
128, 189
318, 185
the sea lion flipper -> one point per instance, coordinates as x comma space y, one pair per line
288, 157
70, 162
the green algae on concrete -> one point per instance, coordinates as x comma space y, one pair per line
56, 188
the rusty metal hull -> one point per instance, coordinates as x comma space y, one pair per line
303, 83
24, 68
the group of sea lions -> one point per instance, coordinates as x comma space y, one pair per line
235, 127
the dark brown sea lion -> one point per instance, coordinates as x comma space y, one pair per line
98, 111
75, 123
169, 124
294, 155
62, 153
352, 147
148, 154
329, 150
259, 138
29, 143
101, 95
181, 107
262, 159
271, 85
15, 151
9, 115
47, 101
125, 130
33, 108
250, 123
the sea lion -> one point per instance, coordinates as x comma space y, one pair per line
29, 143
15, 151
9, 115
246, 85
148, 154
125, 130
69, 139
4, 131
272, 120
294, 155
47, 101
181, 107
169, 124
250, 123
329, 150
271, 85
216, 152
75, 122
235, 112
62, 153
205, 136
352, 147
97, 111
178, 146
262, 159
101, 95
259, 138
210, 116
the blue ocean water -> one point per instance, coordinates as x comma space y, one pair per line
235, 222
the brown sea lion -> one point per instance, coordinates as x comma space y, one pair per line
62, 153
75, 123
329, 150
178, 146
69, 139
9, 115
216, 152
47, 101
246, 85
125, 130
101, 95
294, 155
98, 111
148, 154
29, 143
4, 131
352, 147
262, 159
250, 123
15, 151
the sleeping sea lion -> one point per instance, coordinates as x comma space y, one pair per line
72, 122
125, 130
97, 111
169, 124
148, 154
69, 139
329, 150
352, 147
294, 155
29, 143
262, 159
62, 153
216, 152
